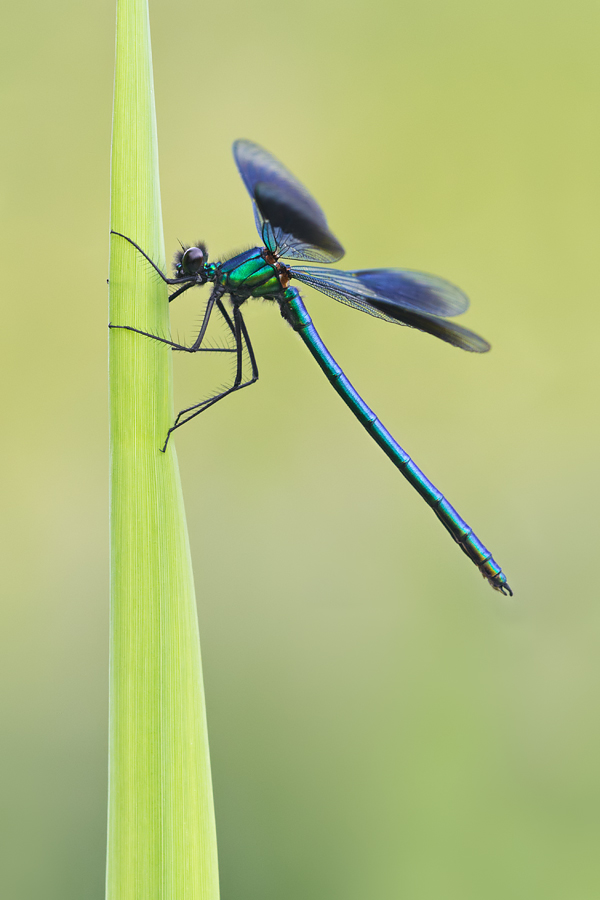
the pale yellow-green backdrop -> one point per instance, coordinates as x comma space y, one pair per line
382, 724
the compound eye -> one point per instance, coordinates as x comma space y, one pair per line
192, 261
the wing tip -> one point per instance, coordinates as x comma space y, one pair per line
243, 142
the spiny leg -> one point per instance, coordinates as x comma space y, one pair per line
153, 264
250, 349
200, 407
186, 281
241, 337
226, 316
180, 290
215, 296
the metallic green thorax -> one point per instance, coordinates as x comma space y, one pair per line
248, 274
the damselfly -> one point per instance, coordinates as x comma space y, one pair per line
292, 226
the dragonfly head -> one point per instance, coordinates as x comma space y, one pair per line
190, 261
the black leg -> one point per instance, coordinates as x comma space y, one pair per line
241, 337
188, 278
216, 294
215, 297
253, 362
181, 290
226, 316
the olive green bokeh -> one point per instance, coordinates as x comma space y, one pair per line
381, 723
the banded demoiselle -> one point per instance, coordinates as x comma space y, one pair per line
292, 226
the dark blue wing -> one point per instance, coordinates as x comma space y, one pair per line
415, 290
348, 288
289, 220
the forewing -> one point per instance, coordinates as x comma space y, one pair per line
348, 288
342, 286
416, 291
285, 213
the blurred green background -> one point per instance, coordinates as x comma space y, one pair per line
382, 724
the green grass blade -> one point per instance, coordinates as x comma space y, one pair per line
161, 837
